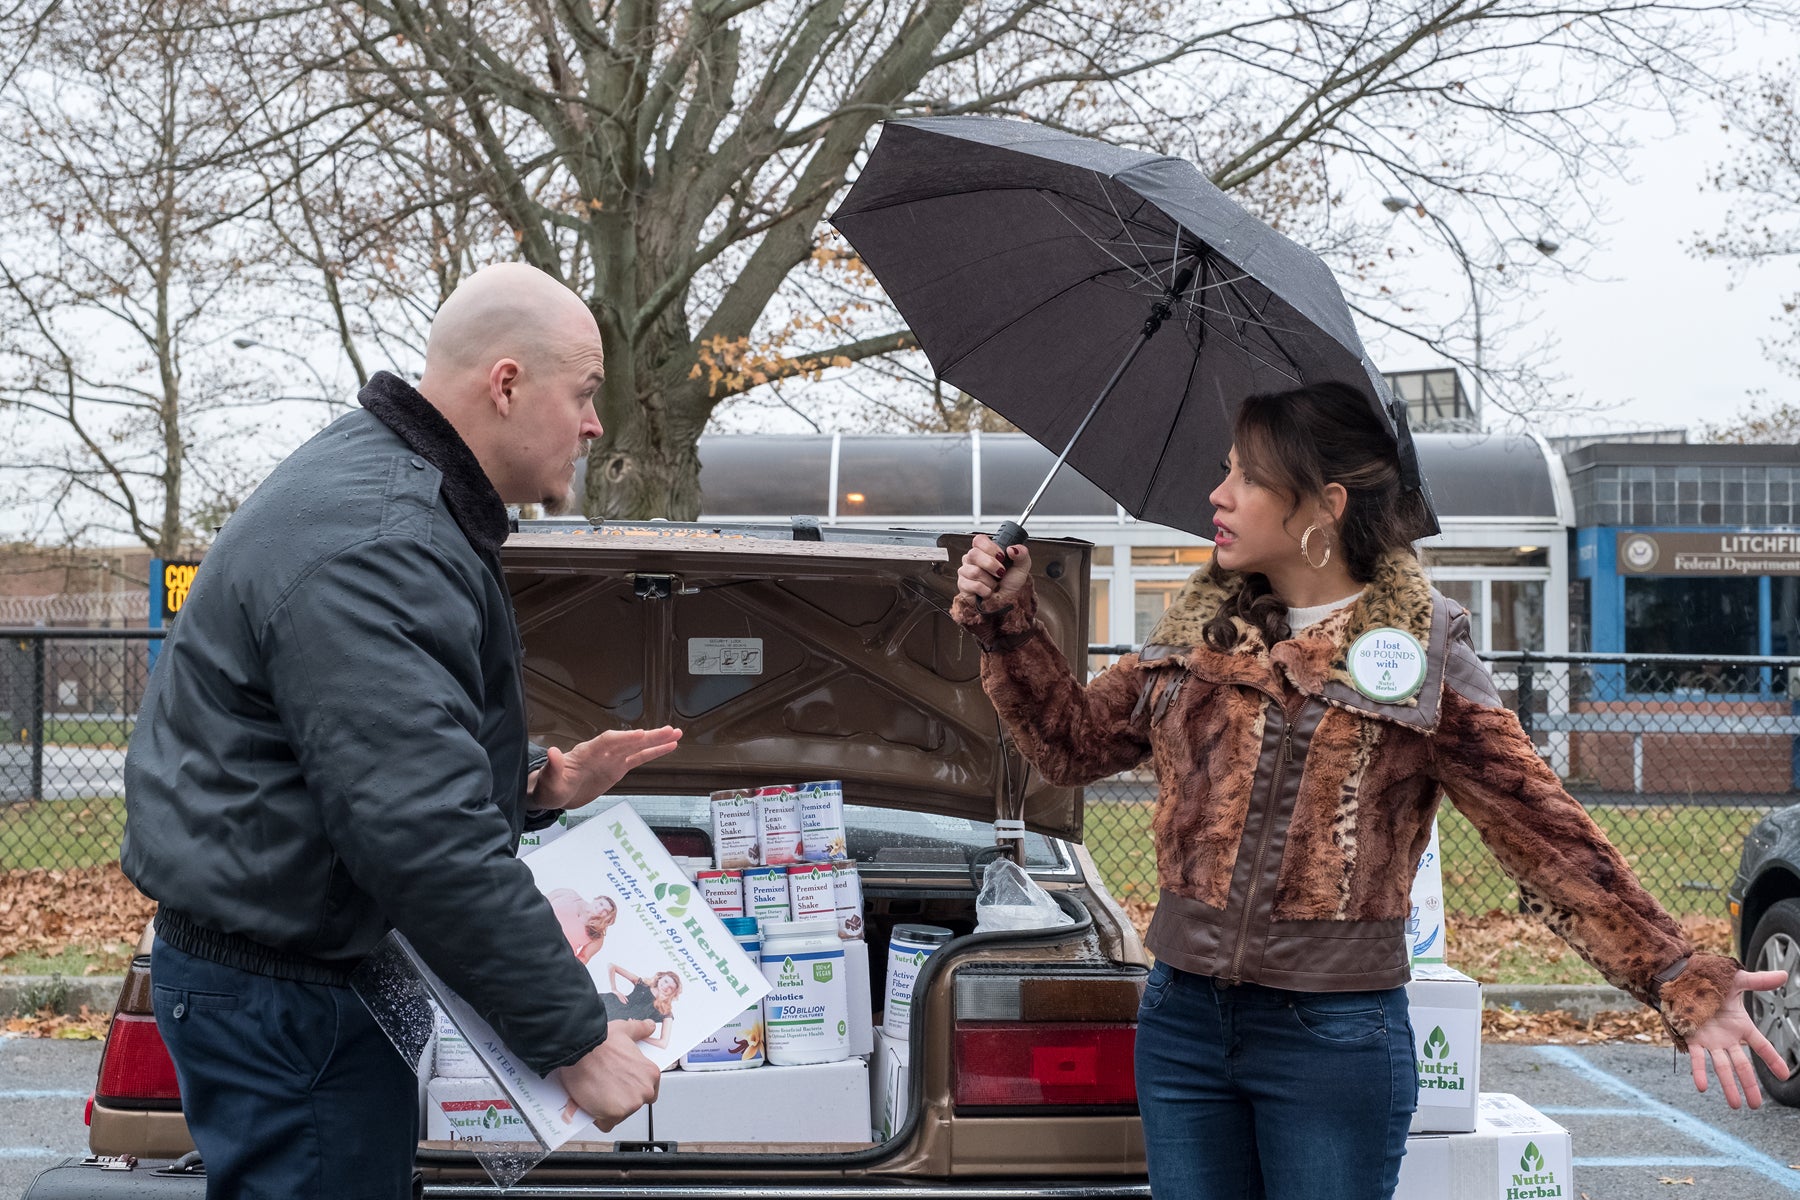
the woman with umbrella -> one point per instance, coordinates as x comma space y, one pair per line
1304, 703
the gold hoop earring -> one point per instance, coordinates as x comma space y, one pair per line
1307, 555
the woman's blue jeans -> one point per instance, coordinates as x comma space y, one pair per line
1251, 1092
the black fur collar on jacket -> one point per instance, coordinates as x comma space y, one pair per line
473, 502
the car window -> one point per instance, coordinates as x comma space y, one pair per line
876, 837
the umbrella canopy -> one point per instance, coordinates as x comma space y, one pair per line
1027, 262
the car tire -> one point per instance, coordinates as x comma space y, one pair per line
1775, 946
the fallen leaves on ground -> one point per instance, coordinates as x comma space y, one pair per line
1477, 944
88, 908
1559, 1028
84, 1025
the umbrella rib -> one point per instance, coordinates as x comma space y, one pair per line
1186, 391
1150, 279
1126, 226
1244, 300
1017, 317
1249, 348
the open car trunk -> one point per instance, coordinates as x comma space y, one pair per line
787, 660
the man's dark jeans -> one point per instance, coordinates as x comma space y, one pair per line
290, 1089
1250, 1092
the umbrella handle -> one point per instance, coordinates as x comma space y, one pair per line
1011, 534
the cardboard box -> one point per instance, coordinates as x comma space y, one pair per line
1445, 1008
890, 1084
453, 1057
477, 1110
1425, 927
1514, 1153
828, 1102
860, 999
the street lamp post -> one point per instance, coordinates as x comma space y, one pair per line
1542, 245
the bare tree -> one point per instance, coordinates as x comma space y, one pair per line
123, 274
1763, 228
672, 159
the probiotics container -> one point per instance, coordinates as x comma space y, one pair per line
907, 951
723, 891
778, 825
807, 1011
812, 892
821, 821
846, 883
739, 1043
766, 894
734, 830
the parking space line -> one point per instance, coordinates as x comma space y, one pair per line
1567, 1110
1716, 1160
1742, 1153
49, 1094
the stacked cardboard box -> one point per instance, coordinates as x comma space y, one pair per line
1465, 1144
1514, 1153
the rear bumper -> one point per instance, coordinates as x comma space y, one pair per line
70, 1180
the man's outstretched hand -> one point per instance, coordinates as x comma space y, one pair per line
613, 1080
1729, 1038
573, 777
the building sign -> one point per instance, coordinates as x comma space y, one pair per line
1771, 553
171, 587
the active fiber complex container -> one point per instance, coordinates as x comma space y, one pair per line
807, 1012
739, 1043
910, 946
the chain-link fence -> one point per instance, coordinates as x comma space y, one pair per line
1675, 757
68, 700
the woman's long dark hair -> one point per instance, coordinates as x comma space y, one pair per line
1297, 442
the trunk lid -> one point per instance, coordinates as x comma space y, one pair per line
785, 659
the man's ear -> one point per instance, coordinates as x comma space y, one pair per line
503, 378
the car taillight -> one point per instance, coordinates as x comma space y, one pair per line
1017, 1064
135, 1068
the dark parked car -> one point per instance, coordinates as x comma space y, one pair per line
1765, 926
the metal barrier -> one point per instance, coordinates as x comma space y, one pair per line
1676, 758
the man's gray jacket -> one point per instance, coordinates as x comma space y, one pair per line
333, 742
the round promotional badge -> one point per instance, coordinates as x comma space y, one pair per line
1387, 665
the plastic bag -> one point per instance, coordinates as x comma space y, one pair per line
1011, 899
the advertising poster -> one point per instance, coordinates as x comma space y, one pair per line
664, 966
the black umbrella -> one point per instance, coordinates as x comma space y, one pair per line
1036, 269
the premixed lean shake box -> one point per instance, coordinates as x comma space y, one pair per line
1444, 1006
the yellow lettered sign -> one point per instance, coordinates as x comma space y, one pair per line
177, 580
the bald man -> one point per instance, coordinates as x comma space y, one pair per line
333, 745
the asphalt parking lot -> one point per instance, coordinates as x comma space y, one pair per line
1640, 1130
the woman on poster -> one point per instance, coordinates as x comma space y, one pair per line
1304, 702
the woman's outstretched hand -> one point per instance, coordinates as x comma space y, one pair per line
1724, 1040
988, 572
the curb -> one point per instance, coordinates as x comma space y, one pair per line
1577, 999
98, 992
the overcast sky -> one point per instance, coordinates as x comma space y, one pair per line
1655, 330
